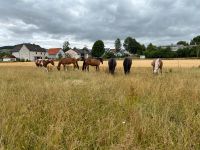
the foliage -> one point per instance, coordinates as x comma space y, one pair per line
189, 52
195, 40
98, 49
4, 54
7, 47
60, 56
133, 46
66, 46
160, 53
108, 55
184, 43
151, 47
118, 45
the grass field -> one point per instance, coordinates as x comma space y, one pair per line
184, 63
81, 110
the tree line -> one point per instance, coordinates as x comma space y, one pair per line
131, 45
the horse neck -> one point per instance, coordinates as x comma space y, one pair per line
157, 64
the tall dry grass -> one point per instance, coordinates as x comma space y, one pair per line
80, 110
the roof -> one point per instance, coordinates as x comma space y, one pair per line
31, 47
8, 56
53, 51
72, 52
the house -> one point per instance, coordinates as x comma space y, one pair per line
73, 53
78, 53
55, 53
9, 58
28, 51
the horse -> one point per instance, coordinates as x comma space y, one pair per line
127, 65
157, 65
92, 62
68, 61
47, 64
112, 64
38, 62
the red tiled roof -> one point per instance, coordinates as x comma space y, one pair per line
53, 51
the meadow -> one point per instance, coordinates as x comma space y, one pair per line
94, 110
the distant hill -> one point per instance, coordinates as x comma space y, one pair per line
6, 49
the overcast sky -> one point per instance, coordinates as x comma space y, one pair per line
50, 22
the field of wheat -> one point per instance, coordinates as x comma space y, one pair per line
181, 63
94, 110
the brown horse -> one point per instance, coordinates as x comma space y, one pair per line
68, 61
47, 64
92, 62
157, 65
38, 62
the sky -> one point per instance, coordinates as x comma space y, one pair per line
81, 22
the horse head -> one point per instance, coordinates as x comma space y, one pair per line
52, 62
58, 67
101, 60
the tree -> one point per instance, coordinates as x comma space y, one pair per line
184, 43
118, 45
195, 40
60, 56
132, 46
66, 46
151, 47
98, 49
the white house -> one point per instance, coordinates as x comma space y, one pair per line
55, 53
78, 53
73, 54
29, 51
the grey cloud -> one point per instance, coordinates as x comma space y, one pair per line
147, 20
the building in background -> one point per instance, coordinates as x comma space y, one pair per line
55, 53
29, 52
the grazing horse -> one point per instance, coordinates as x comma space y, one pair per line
92, 62
112, 64
157, 65
38, 62
127, 65
47, 64
68, 61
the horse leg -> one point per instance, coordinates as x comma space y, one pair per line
88, 68
64, 66
74, 66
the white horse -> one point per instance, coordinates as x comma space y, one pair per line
157, 66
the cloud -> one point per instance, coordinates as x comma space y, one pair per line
82, 22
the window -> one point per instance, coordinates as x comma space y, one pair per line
35, 52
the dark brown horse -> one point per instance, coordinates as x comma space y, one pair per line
68, 61
111, 65
127, 65
92, 62
47, 64
157, 65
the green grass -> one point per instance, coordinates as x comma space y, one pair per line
81, 110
